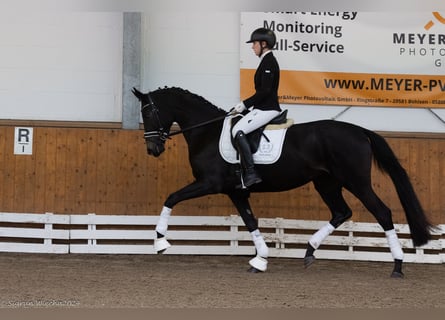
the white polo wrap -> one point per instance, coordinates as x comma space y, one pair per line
162, 225
260, 245
318, 237
394, 244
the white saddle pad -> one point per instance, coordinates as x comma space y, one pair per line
268, 151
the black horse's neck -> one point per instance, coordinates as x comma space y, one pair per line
186, 108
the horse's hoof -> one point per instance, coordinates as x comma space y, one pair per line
259, 263
253, 270
308, 261
397, 275
161, 244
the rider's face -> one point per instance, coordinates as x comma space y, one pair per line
256, 47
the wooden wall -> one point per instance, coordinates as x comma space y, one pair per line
107, 171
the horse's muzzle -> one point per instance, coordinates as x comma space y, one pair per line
155, 149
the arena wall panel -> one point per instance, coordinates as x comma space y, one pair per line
107, 171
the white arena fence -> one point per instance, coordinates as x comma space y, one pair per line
204, 235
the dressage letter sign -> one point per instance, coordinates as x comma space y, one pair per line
23, 140
392, 59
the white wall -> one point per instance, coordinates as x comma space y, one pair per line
61, 66
200, 52
68, 66
195, 51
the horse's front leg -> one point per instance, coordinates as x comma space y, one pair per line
160, 243
193, 190
241, 202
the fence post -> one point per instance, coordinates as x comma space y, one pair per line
91, 228
48, 228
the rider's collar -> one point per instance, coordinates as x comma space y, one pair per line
264, 54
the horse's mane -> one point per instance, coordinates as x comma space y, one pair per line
192, 97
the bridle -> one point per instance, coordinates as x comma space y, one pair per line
162, 134
154, 111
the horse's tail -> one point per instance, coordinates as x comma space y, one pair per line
386, 161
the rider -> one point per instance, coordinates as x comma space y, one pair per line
263, 105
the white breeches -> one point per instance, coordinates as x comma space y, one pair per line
253, 120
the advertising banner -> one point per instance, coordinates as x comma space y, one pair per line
387, 59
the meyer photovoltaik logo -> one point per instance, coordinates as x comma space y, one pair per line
427, 43
431, 23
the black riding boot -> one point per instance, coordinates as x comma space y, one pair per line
250, 176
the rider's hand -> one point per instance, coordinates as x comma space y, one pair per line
240, 107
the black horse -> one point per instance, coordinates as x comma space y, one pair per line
332, 154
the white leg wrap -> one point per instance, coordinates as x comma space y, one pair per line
162, 225
260, 245
318, 237
394, 244
259, 263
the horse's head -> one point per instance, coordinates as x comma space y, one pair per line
156, 125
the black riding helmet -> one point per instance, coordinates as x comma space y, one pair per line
263, 34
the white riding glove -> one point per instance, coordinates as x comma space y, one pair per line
240, 107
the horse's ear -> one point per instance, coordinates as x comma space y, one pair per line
137, 93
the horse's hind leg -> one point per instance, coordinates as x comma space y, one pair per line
384, 217
331, 193
241, 201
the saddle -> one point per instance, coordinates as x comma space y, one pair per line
279, 122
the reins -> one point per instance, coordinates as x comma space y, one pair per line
202, 124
